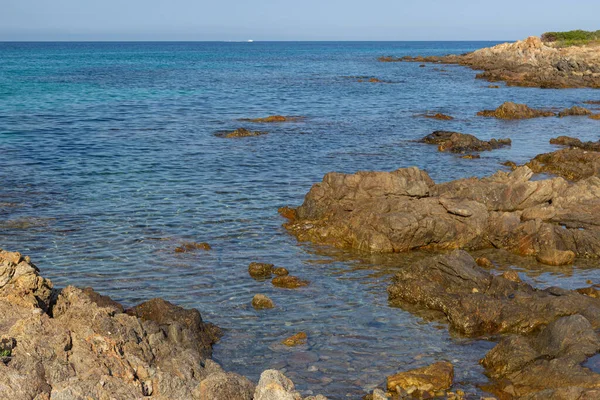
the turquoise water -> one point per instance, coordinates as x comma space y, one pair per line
109, 162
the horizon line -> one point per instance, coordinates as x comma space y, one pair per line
249, 41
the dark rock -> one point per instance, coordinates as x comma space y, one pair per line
462, 143
479, 303
260, 270
510, 110
191, 246
289, 282
238, 133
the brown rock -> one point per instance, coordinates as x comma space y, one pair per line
287, 212
589, 291
572, 164
574, 142
574, 111
485, 263
296, 340
260, 270
438, 376
556, 257
280, 271
273, 118
510, 110
225, 386
460, 142
289, 282
238, 133
438, 116
261, 302
191, 246
511, 275
510, 164
471, 157
595, 116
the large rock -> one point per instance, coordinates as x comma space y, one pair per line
477, 302
529, 63
456, 142
573, 164
510, 110
405, 210
435, 377
547, 365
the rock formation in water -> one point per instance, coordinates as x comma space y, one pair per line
528, 63
272, 118
239, 133
405, 210
456, 142
510, 110
76, 344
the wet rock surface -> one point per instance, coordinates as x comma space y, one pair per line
75, 344
433, 378
478, 303
438, 116
384, 212
261, 302
192, 246
296, 340
510, 110
574, 164
239, 133
528, 63
575, 111
260, 270
456, 142
574, 142
289, 282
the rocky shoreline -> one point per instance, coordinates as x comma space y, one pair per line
529, 63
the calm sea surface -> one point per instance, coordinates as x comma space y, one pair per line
108, 162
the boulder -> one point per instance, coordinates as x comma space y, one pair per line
260, 270
296, 340
274, 385
192, 246
435, 377
575, 111
573, 163
462, 143
477, 302
510, 110
261, 302
289, 282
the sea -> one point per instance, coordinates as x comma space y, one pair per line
109, 162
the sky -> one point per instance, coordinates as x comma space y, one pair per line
198, 20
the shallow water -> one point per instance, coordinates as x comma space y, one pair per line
109, 162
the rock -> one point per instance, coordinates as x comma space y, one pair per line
296, 340
280, 271
438, 376
260, 270
595, 116
511, 275
273, 385
548, 364
479, 303
528, 63
573, 164
289, 282
485, 263
238, 133
574, 111
574, 142
404, 210
461, 143
438, 116
379, 394
556, 257
510, 164
273, 118
510, 110
261, 302
590, 291
493, 87
225, 386
471, 157
594, 102
191, 246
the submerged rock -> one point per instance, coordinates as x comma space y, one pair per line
289, 282
477, 302
191, 246
462, 143
405, 210
296, 340
435, 377
261, 302
260, 270
272, 118
438, 116
238, 133
528, 63
574, 111
547, 365
510, 110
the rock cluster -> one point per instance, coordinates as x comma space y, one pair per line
529, 63
75, 344
561, 325
405, 210
456, 142
238, 133
510, 110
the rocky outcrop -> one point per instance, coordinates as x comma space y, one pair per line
239, 133
574, 111
75, 344
574, 142
438, 116
510, 110
574, 164
405, 210
548, 364
529, 63
462, 143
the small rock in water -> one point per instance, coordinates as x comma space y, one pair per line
289, 282
191, 246
261, 302
556, 257
296, 340
435, 377
260, 270
511, 276
280, 271
484, 262
238, 133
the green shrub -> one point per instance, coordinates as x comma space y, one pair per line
5, 353
571, 38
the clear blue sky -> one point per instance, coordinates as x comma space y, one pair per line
291, 19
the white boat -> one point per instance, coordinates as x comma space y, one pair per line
250, 40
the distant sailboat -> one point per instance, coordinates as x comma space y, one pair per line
250, 40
